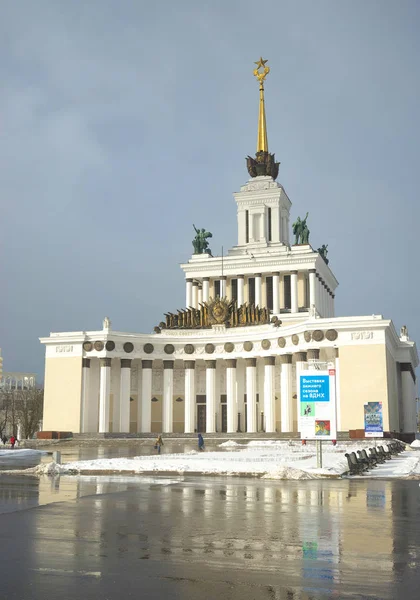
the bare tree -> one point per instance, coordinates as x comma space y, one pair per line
6, 408
26, 410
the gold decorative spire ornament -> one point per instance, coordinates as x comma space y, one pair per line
264, 164
262, 143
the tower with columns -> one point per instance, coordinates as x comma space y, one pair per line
205, 370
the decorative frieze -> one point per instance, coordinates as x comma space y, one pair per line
64, 349
362, 335
331, 335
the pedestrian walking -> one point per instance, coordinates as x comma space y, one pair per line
158, 443
200, 442
13, 441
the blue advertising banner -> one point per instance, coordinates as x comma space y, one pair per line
373, 419
314, 388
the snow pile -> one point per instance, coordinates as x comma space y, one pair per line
19, 452
415, 444
230, 444
282, 460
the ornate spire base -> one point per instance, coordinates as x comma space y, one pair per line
264, 164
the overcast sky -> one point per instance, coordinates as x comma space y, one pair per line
124, 122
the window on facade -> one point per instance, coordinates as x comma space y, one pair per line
223, 398
251, 290
247, 226
287, 292
217, 288
269, 292
269, 223
200, 398
234, 288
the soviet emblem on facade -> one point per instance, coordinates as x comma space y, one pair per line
218, 311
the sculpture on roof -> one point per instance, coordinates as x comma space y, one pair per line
200, 243
107, 323
301, 231
323, 251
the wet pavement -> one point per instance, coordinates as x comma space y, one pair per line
168, 538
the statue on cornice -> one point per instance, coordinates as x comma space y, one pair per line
107, 323
301, 231
323, 251
200, 243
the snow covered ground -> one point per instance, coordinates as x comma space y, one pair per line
270, 459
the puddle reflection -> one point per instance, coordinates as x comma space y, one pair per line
297, 539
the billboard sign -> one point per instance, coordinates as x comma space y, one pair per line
316, 402
373, 419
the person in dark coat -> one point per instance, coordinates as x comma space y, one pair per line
200, 442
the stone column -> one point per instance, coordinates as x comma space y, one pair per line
168, 395
258, 288
313, 354
231, 396
300, 357
240, 300
223, 286
276, 293
286, 393
200, 295
194, 303
312, 285
337, 388
294, 291
104, 394
206, 288
125, 388
85, 395
408, 418
323, 299
210, 396
144, 406
189, 420
188, 299
269, 399
251, 394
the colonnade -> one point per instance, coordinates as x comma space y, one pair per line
236, 387
320, 294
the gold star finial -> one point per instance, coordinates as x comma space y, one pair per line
261, 63
262, 142
261, 75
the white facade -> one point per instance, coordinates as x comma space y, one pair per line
239, 378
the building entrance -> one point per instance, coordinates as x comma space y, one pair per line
224, 418
201, 418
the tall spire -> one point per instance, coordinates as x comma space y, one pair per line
262, 142
264, 163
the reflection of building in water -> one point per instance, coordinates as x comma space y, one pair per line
295, 535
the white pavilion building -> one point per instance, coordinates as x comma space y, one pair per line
230, 360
